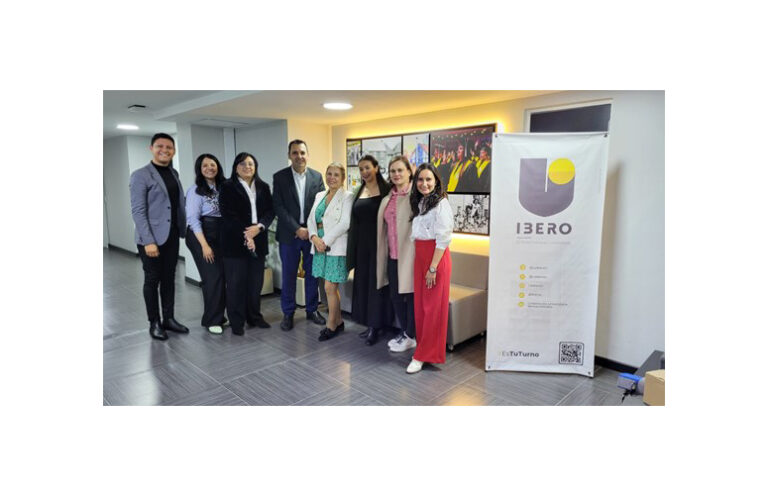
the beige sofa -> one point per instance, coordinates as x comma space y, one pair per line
468, 309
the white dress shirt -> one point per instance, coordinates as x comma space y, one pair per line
301, 186
436, 224
251, 190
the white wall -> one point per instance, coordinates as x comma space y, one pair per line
123, 155
268, 143
118, 199
318, 139
630, 317
630, 320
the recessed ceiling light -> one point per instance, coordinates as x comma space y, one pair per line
128, 127
337, 106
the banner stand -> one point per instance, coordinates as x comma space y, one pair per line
548, 193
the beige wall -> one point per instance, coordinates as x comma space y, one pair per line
318, 139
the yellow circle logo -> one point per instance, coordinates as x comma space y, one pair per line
522, 267
522, 277
522, 294
561, 171
522, 286
521, 304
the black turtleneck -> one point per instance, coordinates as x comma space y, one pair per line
173, 190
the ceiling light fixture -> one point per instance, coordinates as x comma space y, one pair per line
337, 106
128, 127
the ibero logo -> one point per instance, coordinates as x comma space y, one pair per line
546, 188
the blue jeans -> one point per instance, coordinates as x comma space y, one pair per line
290, 254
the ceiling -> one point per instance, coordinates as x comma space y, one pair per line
241, 108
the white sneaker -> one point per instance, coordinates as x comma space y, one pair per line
414, 367
392, 341
215, 329
402, 343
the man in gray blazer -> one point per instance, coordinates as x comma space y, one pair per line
294, 189
160, 220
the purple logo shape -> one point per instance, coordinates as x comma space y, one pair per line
538, 194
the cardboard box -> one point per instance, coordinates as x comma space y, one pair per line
654, 388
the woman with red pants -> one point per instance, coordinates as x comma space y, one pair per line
431, 232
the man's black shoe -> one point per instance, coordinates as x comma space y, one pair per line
316, 318
174, 326
156, 331
287, 322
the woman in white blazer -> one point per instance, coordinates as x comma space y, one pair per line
328, 224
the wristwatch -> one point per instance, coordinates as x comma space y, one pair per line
432, 270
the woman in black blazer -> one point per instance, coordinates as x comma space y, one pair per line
246, 212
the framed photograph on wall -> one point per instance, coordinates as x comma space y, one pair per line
383, 149
354, 152
416, 148
471, 213
463, 158
353, 178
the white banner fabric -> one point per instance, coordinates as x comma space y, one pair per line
547, 198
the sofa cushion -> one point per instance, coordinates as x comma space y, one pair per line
469, 270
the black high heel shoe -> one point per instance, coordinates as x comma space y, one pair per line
327, 333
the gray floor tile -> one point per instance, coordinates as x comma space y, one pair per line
350, 357
526, 389
300, 341
339, 396
281, 385
162, 384
218, 396
129, 338
226, 364
466, 362
269, 366
464, 395
391, 385
136, 358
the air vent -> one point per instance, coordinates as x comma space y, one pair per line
220, 123
137, 108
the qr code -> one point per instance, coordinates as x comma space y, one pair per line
571, 353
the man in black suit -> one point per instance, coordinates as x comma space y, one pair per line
294, 189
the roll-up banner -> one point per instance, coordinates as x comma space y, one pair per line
547, 193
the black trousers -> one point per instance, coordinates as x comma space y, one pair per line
211, 274
245, 278
160, 271
402, 303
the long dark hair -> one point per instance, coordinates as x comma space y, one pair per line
434, 197
383, 186
202, 184
241, 157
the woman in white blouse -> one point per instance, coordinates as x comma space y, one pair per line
431, 232
328, 224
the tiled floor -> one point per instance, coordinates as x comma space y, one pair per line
272, 367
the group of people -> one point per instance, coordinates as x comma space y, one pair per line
393, 235
461, 173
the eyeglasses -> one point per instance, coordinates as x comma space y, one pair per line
246, 164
